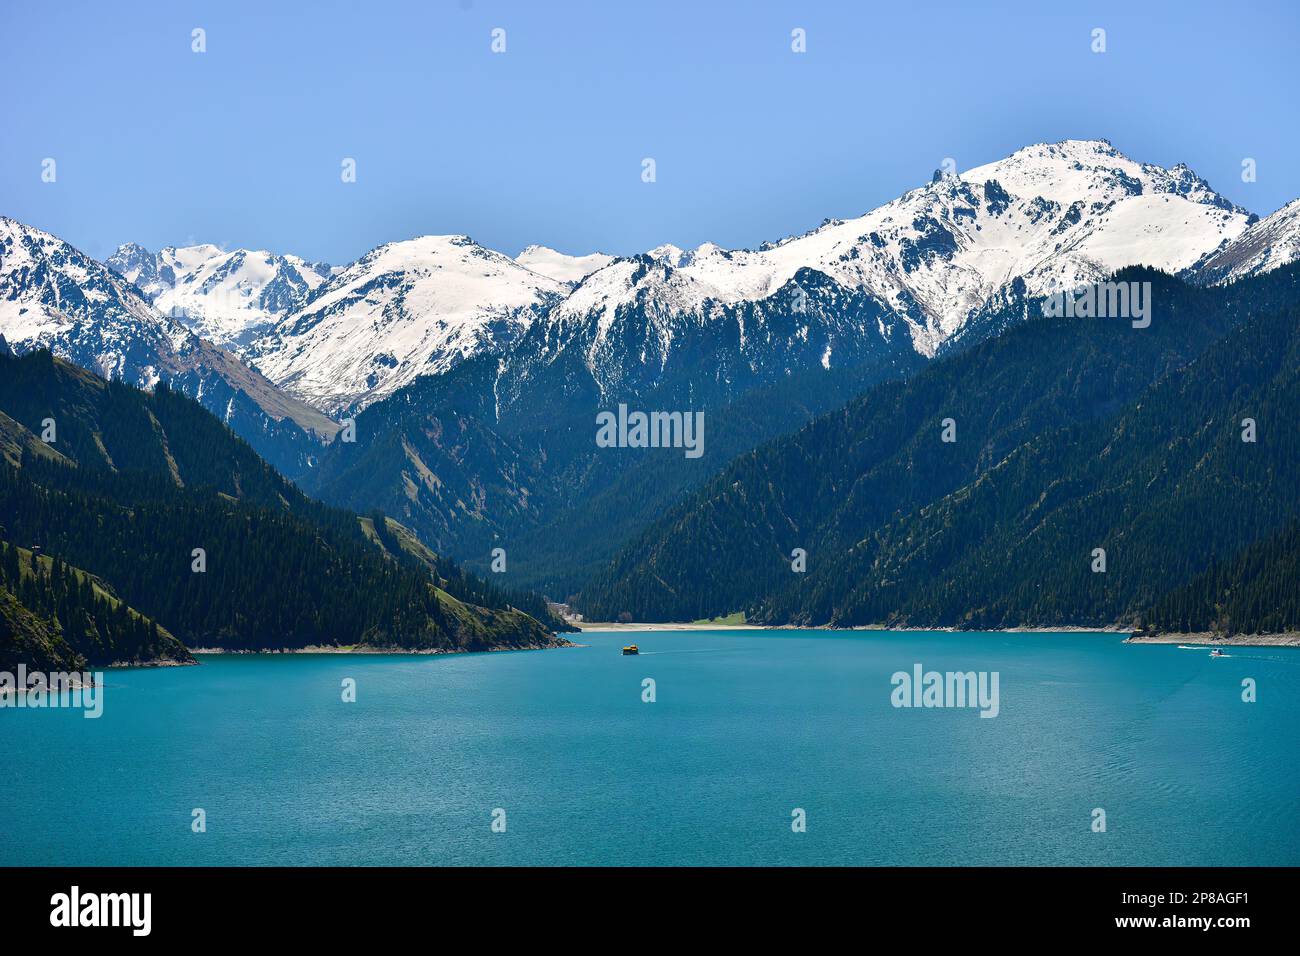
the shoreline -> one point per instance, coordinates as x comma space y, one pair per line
1209, 639
364, 649
1204, 638
157, 662
583, 627
641, 627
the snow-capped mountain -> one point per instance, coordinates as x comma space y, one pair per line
642, 326
229, 298
728, 330
403, 310
54, 296
1269, 244
937, 258
51, 295
138, 265
560, 266
913, 275
1049, 216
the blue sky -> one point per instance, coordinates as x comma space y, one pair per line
242, 145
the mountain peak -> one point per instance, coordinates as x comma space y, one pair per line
1084, 150
407, 308
131, 249
668, 253
418, 250
559, 266
226, 296
1066, 212
537, 249
190, 256
54, 296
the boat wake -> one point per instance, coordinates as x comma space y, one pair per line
1240, 657
693, 650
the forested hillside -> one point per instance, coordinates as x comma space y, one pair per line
900, 526
85, 615
1163, 488
1257, 591
477, 458
27, 638
182, 520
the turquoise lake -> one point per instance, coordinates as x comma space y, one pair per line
746, 727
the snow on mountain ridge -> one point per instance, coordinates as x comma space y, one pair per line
227, 297
405, 309
54, 296
1269, 244
49, 292
560, 266
1048, 216
1051, 215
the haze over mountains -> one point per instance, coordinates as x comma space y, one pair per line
474, 377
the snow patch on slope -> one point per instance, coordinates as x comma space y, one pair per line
1050, 215
227, 297
559, 266
1269, 244
403, 310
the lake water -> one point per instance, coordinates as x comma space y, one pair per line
746, 727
